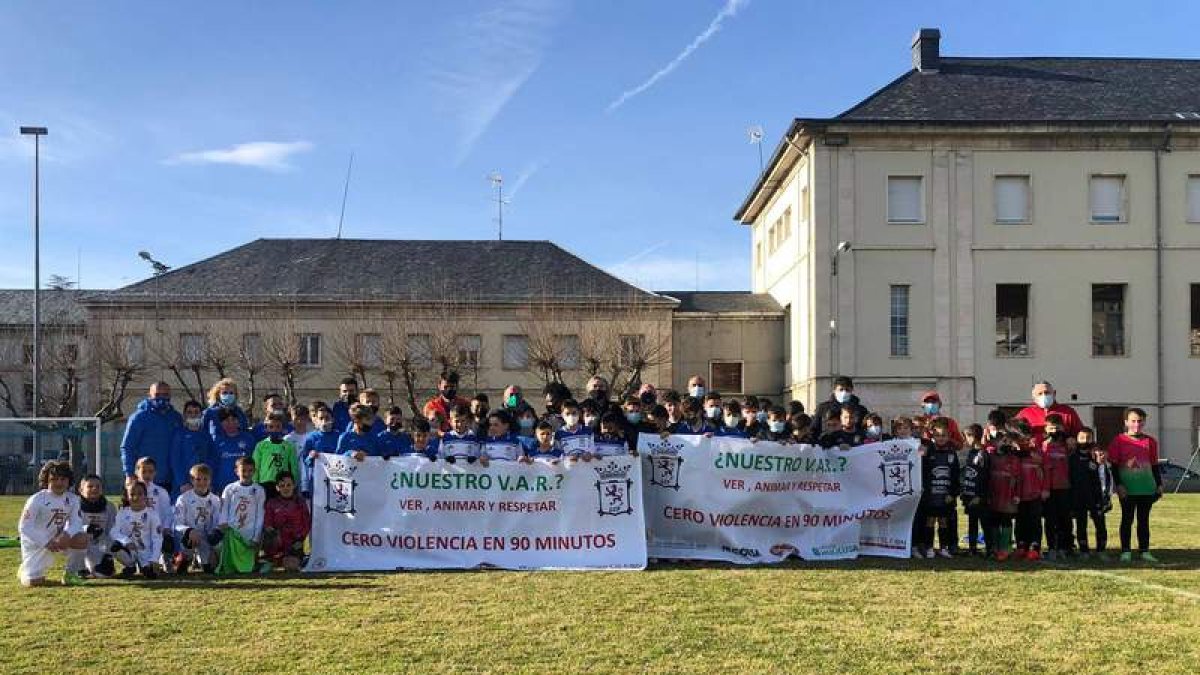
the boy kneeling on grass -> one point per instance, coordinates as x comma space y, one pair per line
285, 525
50, 525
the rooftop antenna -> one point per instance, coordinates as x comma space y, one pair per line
498, 183
697, 270
79, 268
345, 193
756, 138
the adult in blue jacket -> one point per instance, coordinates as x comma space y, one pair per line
149, 433
223, 396
190, 446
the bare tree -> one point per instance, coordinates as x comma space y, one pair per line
221, 353
252, 360
553, 340
286, 354
402, 365
357, 343
185, 358
119, 352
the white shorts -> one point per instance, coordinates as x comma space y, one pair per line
36, 561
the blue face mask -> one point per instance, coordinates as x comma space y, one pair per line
228, 398
841, 395
777, 427
761, 416
932, 408
525, 422
633, 417
160, 403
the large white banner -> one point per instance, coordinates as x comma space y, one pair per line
730, 499
409, 512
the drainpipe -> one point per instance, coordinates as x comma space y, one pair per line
1158, 276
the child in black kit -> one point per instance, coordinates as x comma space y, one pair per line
1091, 491
940, 476
975, 488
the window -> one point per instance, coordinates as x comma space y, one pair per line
370, 349
252, 353
420, 350
725, 376
898, 328
786, 229
516, 352
1194, 336
804, 208
758, 255
469, 347
1108, 319
771, 237
1106, 195
632, 350
191, 348
310, 349
904, 201
1193, 198
568, 348
1012, 319
1012, 199
27, 398
1108, 422
134, 347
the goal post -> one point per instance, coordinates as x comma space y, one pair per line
28, 442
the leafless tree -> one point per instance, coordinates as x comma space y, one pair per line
285, 354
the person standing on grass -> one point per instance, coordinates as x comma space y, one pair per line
149, 433
1134, 458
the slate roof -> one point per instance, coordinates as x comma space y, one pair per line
1039, 89
724, 302
383, 269
58, 307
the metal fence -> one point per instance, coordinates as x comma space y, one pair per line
27, 443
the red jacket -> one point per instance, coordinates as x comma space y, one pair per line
288, 517
1036, 417
1004, 478
1057, 460
956, 437
1033, 477
442, 407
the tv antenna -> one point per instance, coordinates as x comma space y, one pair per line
756, 138
345, 193
498, 182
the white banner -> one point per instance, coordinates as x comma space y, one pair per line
729, 499
409, 512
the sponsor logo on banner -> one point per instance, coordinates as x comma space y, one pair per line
665, 458
897, 468
340, 485
613, 489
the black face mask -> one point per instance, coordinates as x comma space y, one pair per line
599, 395
396, 428
647, 398
374, 409
449, 394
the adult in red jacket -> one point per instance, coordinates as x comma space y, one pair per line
931, 409
1044, 404
446, 400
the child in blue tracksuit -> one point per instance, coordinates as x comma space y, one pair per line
323, 439
501, 443
359, 442
191, 445
424, 441
462, 441
394, 440
545, 448
228, 448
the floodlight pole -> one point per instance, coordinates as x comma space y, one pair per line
37, 133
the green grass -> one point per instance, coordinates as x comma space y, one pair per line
872, 615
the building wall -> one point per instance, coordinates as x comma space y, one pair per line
756, 342
956, 256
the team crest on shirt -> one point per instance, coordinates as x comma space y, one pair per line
665, 458
613, 489
339, 486
897, 468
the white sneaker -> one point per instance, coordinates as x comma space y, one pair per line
945, 553
929, 554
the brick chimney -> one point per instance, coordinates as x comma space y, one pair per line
926, 56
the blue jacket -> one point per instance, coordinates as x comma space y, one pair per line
377, 427
432, 448
394, 445
188, 448
316, 441
225, 452
341, 414
211, 424
684, 429
352, 441
149, 434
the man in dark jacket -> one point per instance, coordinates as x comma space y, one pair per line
842, 397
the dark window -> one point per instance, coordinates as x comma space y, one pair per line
1108, 319
1012, 319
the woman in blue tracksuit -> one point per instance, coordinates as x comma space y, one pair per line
223, 396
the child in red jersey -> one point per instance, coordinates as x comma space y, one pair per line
1056, 513
1003, 487
286, 523
1032, 492
1134, 458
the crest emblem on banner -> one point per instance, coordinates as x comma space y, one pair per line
665, 458
339, 486
613, 489
897, 468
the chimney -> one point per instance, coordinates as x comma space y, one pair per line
925, 52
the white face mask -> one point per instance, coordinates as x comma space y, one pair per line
731, 421
1045, 400
697, 391
713, 412
841, 395
589, 420
570, 420
874, 431
777, 427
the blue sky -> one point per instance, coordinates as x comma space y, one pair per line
619, 126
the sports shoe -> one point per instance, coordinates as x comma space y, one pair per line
181, 564
149, 572
1021, 553
1033, 555
945, 553
1001, 556
1050, 555
1148, 557
72, 579
929, 554
1126, 556
127, 573
265, 567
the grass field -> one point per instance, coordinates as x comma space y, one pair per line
873, 615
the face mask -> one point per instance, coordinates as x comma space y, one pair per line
525, 422
777, 427
276, 436
647, 398
633, 417
327, 426
1045, 400
697, 392
599, 394
731, 421
589, 420
713, 412
932, 408
449, 394
160, 402
228, 398
512, 400
192, 423
396, 428
841, 395
570, 420
875, 431
761, 416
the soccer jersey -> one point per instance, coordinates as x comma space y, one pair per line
271, 459
140, 532
242, 509
1134, 460
575, 443
465, 446
159, 500
193, 512
507, 448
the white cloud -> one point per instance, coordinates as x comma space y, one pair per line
259, 154
728, 11
523, 177
668, 273
484, 62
